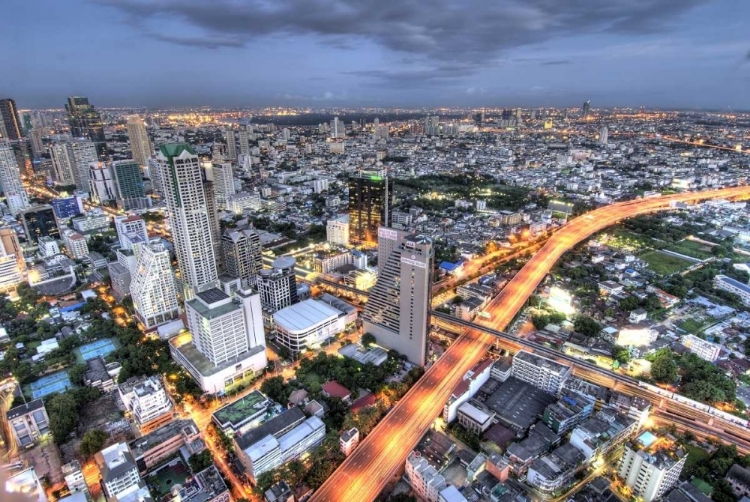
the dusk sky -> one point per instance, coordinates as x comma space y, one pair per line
321, 53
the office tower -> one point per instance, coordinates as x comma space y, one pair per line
37, 143
241, 254
278, 285
338, 128
152, 286
118, 470
39, 221
370, 202
586, 108
140, 145
223, 175
10, 180
85, 122
212, 207
546, 374
397, 312
102, 184
337, 230
231, 143
129, 182
12, 264
244, 140
650, 470
186, 202
228, 341
130, 228
9, 125
431, 125
603, 136
81, 154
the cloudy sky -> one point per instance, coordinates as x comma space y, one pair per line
666, 53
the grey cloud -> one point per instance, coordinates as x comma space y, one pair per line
448, 30
556, 63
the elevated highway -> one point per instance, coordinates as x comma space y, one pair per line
380, 456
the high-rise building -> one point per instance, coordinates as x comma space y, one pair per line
432, 125
10, 127
102, 184
10, 180
154, 172
85, 122
63, 164
189, 218
129, 182
586, 108
147, 400
37, 143
338, 128
278, 285
140, 145
82, 154
223, 182
337, 230
370, 202
397, 312
650, 470
12, 264
603, 136
231, 143
39, 221
75, 244
226, 343
241, 254
152, 286
245, 140
118, 470
212, 206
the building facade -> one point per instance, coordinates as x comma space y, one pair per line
241, 254
140, 146
370, 202
152, 286
28, 423
10, 180
540, 372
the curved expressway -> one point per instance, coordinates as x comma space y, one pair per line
381, 455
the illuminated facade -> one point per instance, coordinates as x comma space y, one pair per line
10, 180
140, 146
370, 202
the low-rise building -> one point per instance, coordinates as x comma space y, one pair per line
149, 450
279, 492
206, 486
740, 289
572, 408
97, 375
555, 471
349, 440
475, 418
118, 470
541, 372
599, 434
245, 413
702, 348
307, 324
739, 481
467, 388
28, 423
649, 468
74, 479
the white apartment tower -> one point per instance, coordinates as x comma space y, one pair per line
130, 228
338, 128
118, 470
188, 210
245, 140
152, 286
397, 312
10, 180
546, 374
337, 230
12, 263
140, 145
223, 175
76, 244
102, 183
82, 152
278, 285
650, 474
63, 164
146, 399
241, 254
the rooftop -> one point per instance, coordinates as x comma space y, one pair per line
276, 426
540, 361
335, 389
141, 445
242, 410
518, 403
185, 346
176, 149
23, 409
305, 315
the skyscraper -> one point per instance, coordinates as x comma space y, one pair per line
130, 228
241, 254
82, 154
586, 108
186, 201
85, 122
431, 125
212, 206
39, 221
10, 180
603, 136
231, 143
102, 184
397, 311
278, 285
245, 140
63, 164
9, 125
12, 264
338, 128
129, 181
370, 203
37, 143
152, 286
140, 145
223, 182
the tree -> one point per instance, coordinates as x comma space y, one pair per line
274, 388
200, 461
587, 326
664, 368
621, 354
539, 321
63, 416
402, 497
76, 373
368, 339
92, 442
629, 303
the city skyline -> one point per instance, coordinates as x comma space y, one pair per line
326, 54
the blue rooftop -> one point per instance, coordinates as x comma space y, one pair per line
449, 267
734, 282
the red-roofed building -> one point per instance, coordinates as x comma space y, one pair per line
466, 388
364, 402
335, 389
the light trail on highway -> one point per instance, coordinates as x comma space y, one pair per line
381, 455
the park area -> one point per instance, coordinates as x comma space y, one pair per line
663, 263
695, 249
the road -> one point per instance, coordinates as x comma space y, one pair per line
381, 455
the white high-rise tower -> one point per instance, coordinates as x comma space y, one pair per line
189, 218
139, 142
152, 286
10, 180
